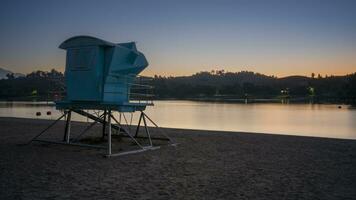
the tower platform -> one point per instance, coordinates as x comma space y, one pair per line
120, 107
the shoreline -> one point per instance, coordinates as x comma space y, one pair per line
208, 100
206, 131
205, 165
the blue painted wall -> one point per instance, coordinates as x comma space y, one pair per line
100, 71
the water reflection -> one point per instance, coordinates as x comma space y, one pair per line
294, 119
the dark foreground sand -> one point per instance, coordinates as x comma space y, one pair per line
206, 165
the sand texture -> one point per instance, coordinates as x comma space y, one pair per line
205, 165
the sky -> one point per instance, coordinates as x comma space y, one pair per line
281, 38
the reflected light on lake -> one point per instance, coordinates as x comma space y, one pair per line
287, 119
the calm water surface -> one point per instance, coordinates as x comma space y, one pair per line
287, 119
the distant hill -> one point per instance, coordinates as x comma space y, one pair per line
254, 85
214, 85
4, 72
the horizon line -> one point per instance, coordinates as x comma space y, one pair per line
209, 71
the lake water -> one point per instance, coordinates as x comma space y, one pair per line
287, 119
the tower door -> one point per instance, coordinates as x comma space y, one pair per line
84, 71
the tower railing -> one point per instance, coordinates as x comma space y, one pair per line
140, 88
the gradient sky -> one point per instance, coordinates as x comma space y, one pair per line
280, 38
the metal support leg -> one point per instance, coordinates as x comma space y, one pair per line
138, 125
100, 120
128, 133
55, 122
146, 128
142, 148
127, 123
104, 124
109, 134
170, 139
67, 129
84, 131
108, 122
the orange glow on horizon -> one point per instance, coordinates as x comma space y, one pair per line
337, 71
150, 71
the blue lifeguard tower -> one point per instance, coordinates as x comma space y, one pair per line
101, 76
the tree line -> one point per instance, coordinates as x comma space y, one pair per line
38, 85
217, 84
246, 84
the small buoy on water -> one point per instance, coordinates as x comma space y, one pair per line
49, 113
38, 113
339, 107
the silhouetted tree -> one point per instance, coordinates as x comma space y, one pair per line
10, 76
216, 83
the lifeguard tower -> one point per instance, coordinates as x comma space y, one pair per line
100, 79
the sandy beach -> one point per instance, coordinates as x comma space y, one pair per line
205, 165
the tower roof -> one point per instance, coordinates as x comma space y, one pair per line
83, 40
